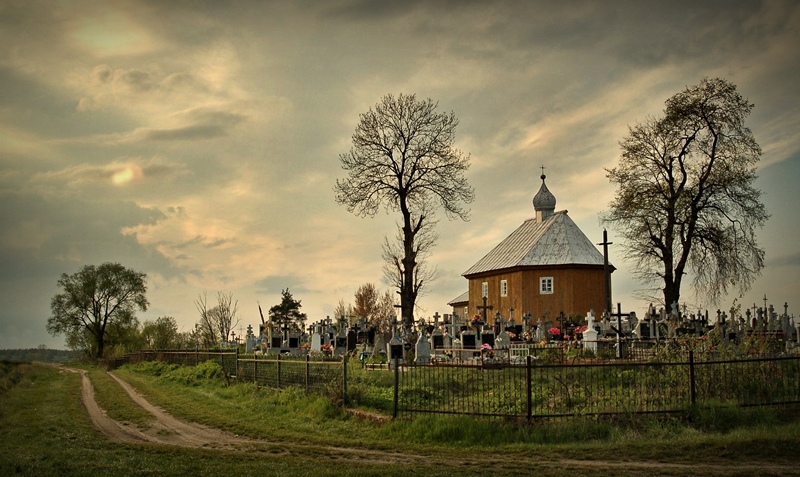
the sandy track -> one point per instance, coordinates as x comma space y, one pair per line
166, 430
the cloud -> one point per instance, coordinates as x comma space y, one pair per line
199, 143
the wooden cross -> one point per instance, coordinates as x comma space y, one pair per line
606, 270
484, 308
618, 330
619, 314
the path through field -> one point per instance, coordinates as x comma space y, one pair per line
169, 430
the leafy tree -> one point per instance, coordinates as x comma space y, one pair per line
685, 201
366, 300
161, 334
287, 313
373, 306
403, 159
95, 301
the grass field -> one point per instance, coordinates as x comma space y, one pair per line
45, 430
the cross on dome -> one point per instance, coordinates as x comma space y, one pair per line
544, 202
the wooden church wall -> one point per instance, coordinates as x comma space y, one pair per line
575, 290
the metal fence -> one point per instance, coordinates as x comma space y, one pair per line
322, 375
547, 382
535, 389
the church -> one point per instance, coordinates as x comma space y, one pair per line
545, 267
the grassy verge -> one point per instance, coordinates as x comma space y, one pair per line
44, 430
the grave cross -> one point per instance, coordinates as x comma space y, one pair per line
618, 330
606, 270
484, 308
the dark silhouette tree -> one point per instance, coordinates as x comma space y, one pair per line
403, 159
685, 202
286, 314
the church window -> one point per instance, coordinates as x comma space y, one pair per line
546, 285
484, 289
503, 287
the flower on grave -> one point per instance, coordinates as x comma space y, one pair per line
486, 347
475, 318
511, 335
580, 329
555, 331
326, 348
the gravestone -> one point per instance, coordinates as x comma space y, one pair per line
293, 342
275, 341
644, 330
469, 340
502, 341
487, 337
250, 340
422, 350
380, 342
589, 338
395, 351
317, 339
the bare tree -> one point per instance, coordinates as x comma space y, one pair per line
385, 311
394, 267
216, 323
403, 159
225, 314
343, 310
205, 329
685, 202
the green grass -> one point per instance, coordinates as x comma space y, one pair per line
44, 430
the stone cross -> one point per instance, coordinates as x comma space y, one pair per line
590, 335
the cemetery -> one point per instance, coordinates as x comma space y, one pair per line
664, 362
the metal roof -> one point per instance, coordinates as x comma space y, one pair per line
462, 298
554, 241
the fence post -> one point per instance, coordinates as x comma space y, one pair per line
396, 386
255, 370
529, 386
691, 378
308, 372
344, 379
279, 369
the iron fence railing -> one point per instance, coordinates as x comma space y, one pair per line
527, 383
538, 389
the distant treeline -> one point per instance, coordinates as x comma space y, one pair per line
38, 354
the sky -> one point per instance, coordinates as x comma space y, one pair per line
199, 142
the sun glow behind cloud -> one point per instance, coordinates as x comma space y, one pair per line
125, 175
